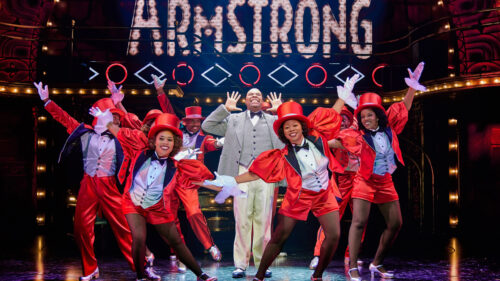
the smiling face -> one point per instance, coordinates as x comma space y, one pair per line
253, 100
292, 129
192, 125
369, 119
164, 143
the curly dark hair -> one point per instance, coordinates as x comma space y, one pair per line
175, 149
281, 134
382, 118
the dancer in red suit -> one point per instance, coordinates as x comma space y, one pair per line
305, 164
103, 163
154, 177
376, 144
350, 163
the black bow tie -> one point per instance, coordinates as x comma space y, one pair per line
373, 133
298, 147
155, 158
258, 113
107, 133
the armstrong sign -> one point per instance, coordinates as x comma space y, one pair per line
306, 27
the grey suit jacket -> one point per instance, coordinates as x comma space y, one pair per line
223, 123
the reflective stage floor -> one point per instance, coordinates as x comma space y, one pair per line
59, 260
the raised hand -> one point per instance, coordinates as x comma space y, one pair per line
116, 94
43, 92
232, 101
412, 81
159, 83
275, 101
95, 111
345, 92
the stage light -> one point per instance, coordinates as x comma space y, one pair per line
41, 142
15, 90
229, 201
212, 201
55, 91
453, 221
68, 91
72, 199
451, 51
215, 23
452, 75
482, 82
44, 73
237, 28
302, 100
440, 3
452, 146
49, 23
243, 100
315, 28
219, 100
40, 193
280, 33
453, 171
208, 100
45, 48
2, 89
291, 99
453, 197
452, 121
42, 118
41, 168
447, 26
81, 91
94, 92
496, 80
133, 92
139, 21
147, 92
330, 25
327, 101
363, 53
315, 101
40, 219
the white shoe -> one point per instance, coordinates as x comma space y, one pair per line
353, 278
314, 263
173, 257
93, 275
150, 259
215, 253
181, 268
151, 274
375, 269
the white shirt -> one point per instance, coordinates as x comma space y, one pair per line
255, 118
313, 167
188, 140
147, 188
381, 141
99, 153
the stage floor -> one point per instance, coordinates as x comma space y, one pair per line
43, 262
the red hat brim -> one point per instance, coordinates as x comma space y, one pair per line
155, 129
277, 124
193, 117
368, 105
149, 117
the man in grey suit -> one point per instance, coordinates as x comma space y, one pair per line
247, 134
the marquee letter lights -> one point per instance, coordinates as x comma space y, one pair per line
201, 22
186, 14
330, 25
182, 64
258, 74
139, 21
237, 28
363, 53
282, 32
299, 31
257, 24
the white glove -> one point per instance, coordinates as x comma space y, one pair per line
219, 142
42, 92
412, 81
345, 92
116, 95
159, 83
187, 154
229, 187
103, 119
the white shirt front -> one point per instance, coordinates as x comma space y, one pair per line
147, 188
253, 119
99, 153
313, 167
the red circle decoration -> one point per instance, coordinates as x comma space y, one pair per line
316, 65
258, 74
183, 64
124, 70
380, 66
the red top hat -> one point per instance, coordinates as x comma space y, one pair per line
193, 112
152, 114
347, 113
369, 100
107, 103
165, 121
287, 111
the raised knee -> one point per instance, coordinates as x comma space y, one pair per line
395, 225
